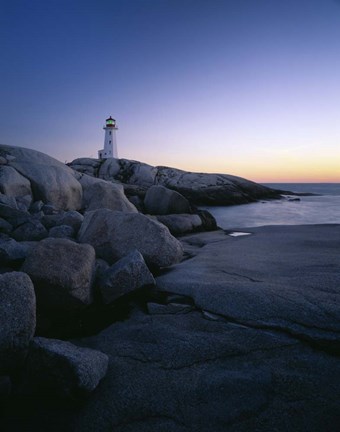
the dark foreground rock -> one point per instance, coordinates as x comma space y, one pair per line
17, 319
63, 273
259, 351
180, 373
63, 368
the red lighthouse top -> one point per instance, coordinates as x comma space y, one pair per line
110, 122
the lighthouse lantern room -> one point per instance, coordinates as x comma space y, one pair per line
110, 141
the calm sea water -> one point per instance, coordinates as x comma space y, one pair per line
322, 209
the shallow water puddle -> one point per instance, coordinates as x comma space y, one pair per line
238, 234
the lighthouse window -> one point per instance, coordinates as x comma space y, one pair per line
110, 142
110, 133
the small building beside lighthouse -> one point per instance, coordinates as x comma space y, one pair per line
110, 140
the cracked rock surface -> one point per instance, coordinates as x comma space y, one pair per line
259, 350
280, 277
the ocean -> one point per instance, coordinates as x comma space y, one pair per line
321, 209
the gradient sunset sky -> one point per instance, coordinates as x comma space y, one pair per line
244, 87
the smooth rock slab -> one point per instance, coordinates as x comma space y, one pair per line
115, 234
126, 275
280, 277
62, 272
63, 368
17, 319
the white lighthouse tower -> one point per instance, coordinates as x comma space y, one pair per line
110, 141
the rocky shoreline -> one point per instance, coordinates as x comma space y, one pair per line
109, 322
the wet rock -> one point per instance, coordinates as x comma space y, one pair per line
115, 234
63, 368
62, 272
17, 319
162, 201
126, 275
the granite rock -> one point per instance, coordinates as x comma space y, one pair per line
17, 319
62, 368
114, 234
126, 275
62, 272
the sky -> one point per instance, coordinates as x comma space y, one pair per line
243, 87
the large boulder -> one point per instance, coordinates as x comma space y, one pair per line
181, 223
126, 275
162, 201
17, 318
51, 180
12, 183
114, 234
63, 368
102, 194
62, 272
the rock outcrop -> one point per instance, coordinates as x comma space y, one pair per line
198, 188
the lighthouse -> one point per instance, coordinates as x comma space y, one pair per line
110, 141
